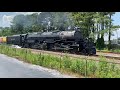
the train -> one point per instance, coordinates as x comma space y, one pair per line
3, 39
72, 41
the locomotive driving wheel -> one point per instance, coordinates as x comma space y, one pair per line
44, 46
26, 46
84, 52
50, 46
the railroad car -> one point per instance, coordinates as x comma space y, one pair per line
0, 39
15, 39
4, 39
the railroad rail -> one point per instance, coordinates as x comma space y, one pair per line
109, 55
108, 52
109, 59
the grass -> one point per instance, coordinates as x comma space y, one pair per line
112, 50
82, 67
116, 50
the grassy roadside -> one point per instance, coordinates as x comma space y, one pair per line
64, 64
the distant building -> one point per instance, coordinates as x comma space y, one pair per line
114, 41
106, 42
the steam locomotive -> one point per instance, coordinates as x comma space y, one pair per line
72, 41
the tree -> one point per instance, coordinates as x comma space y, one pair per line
45, 20
6, 31
18, 24
100, 20
110, 29
84, 20
62, 20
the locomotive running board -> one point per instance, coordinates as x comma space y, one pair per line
62, 48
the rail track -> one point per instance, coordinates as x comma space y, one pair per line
108, 52
110, 57
107, 55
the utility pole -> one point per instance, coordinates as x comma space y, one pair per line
117, 36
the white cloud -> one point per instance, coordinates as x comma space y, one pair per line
6, 20
26, 13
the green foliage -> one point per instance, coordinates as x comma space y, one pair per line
96, 23
85, 21
39, 22
5, 31
116, 50
18, 24
83, 67
66, 62
100, 43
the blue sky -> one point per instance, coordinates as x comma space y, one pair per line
6, 18
116, 21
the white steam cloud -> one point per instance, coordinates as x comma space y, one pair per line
26, 13
6, 20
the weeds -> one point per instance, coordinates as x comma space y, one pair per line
112, 50
83, 67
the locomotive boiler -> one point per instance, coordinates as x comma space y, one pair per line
71, 41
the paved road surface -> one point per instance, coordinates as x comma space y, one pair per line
13, 68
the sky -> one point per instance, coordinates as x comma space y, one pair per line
6, 18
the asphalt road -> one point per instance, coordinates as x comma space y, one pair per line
13, 68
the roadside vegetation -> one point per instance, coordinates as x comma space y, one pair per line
81, 67
112, 50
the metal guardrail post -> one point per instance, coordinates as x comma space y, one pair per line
60, 60
85, 68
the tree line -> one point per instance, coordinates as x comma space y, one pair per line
92, 24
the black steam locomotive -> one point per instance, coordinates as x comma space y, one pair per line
71, 41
